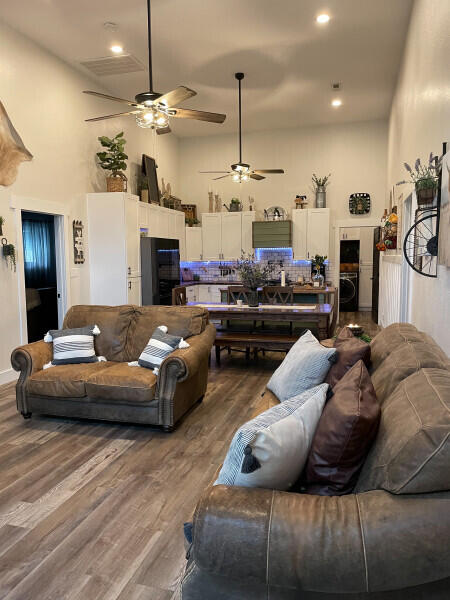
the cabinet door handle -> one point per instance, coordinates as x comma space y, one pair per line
129, 270
129, 285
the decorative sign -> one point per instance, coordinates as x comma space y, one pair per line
359, 204
78, 243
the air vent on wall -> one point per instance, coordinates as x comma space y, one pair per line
113, 65
336, 85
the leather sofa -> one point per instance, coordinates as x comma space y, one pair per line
250, 544
112, 390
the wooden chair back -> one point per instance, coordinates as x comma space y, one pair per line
179, 297
278, 294
237, 292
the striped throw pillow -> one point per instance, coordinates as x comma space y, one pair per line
270, 451
73, 346
159, 346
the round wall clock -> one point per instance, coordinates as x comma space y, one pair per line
359, 204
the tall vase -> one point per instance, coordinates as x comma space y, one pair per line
253, 299
321, 197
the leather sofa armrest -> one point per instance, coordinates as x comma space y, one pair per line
357, 543
31, 358
185, 362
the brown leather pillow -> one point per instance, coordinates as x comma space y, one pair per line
349, 350
346, 430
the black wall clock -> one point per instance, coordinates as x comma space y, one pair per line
359, 204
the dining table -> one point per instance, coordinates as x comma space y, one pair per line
319, 314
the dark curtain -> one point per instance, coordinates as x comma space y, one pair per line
39, 252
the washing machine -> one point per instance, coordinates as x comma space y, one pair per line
348, 291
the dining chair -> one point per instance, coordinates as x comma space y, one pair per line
179, 296
278, 294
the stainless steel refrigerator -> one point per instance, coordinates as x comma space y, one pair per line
160, 269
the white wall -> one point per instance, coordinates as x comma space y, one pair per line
354, 153
419, 123
44, 101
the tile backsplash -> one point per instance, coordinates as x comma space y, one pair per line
213, 270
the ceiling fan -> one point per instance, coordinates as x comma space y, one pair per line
152, 109
241, 171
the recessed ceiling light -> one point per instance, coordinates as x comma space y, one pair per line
336, 102
323, 18
116, 49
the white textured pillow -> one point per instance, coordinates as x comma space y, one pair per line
270, 451
305, 365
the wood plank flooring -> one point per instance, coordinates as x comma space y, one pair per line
94, 511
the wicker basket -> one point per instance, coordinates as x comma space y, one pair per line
115, 184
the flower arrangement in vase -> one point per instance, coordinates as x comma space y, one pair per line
253, 275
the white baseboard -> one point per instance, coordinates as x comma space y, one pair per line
8, 375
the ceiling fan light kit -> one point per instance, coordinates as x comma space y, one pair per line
154, 109
240, 171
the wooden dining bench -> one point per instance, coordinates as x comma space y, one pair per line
252, 340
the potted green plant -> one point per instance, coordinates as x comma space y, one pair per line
425, 178
113, 160
253, 275
144, 189
320, 185
191, 221
9, 253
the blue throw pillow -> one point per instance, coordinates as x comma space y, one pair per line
305, 366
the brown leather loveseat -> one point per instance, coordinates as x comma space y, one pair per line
113, 390
389, 540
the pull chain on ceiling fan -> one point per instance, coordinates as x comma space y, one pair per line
152, 109
241, 171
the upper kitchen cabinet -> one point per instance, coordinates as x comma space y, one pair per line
193, 243
247, 231
212, 236
311, 233
163, 223
225, 235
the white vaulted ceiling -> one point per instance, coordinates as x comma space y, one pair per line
288, 59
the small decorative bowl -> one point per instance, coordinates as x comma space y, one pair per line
355, 329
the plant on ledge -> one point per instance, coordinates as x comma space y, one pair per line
253, 275
320, 188
425, 178
113, 160
9, 252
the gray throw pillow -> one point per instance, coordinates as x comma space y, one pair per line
159, 346
270, 451
73, 346
305, 366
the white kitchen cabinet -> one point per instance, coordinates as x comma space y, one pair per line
114, 246
231, 235
212, 236
134, 290
180, 232
311, 233
192, 293
349, 233
143, 211
300, 234
193, 243
365, 287
247, 232
318, 232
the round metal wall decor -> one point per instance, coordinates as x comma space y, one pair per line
359, 204
420, 246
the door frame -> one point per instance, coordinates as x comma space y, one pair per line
61, 215
337, 247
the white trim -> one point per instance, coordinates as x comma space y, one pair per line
38, 205
7, 376
62, 243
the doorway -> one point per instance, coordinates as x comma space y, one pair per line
40, 273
